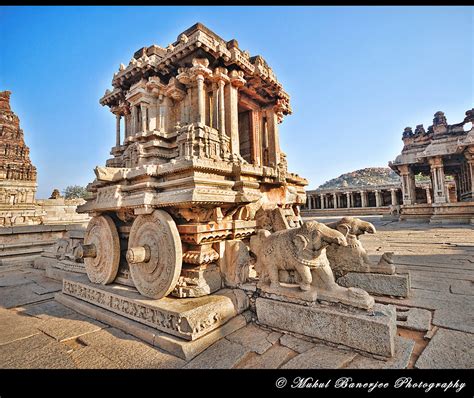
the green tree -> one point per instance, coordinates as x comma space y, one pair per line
75, 192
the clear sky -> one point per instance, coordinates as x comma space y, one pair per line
357, 76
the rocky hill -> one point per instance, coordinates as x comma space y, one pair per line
358, 178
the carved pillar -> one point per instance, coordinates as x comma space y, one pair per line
117, 129
201, 101
469, 154
134, 120
348, 200
334, 198
408, 184
144, 120
127, 121
273, 143
393, 194
232, 115
322, 201
308, 200
438, 179
378, 202
363, 198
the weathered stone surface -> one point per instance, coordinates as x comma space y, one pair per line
38, 351
15, 326
461, 287
252, 337
295, 343
178, 347
222, 355
320, 357
124, 349
448, 349
401, 359
271, 359
459, 319
357, 329
198, 316
67, 328
380, 284
414, 318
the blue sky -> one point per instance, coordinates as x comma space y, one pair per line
356, 75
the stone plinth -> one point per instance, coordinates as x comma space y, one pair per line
188, 319
380, 284
350, 327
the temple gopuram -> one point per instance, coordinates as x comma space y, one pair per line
441, 151
17, 174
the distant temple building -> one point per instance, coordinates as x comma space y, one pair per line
443, 153
441, 150
18, 205
17, 174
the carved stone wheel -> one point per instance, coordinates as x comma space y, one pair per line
154, 254
102, 238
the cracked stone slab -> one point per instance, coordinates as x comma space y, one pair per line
414, 318
221, 355
74, 325
252, 337
271, 359
448, 349
15, 326
37, 351
462, 287
403, 350
461, 319
296, 344
321, 357
128, 351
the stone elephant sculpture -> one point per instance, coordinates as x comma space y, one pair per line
300, 249
353, 257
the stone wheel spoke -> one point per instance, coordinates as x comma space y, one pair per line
155, 254
102, 233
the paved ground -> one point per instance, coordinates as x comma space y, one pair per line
436, 324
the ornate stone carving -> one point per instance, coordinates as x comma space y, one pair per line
156, 273
101, 250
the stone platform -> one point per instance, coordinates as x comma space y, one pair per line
171, 324
370, 331
397, 285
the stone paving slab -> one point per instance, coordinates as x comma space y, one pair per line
414, 318
462, 287
252, 337
90, 358
403, 349
320, 357
46, 309
38, 351
296, 344
271, 359
128, 351
448, 349
14, 326
461, 319
222, 355
12, 296
74, 325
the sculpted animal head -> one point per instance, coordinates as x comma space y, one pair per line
312, 237
353, 226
